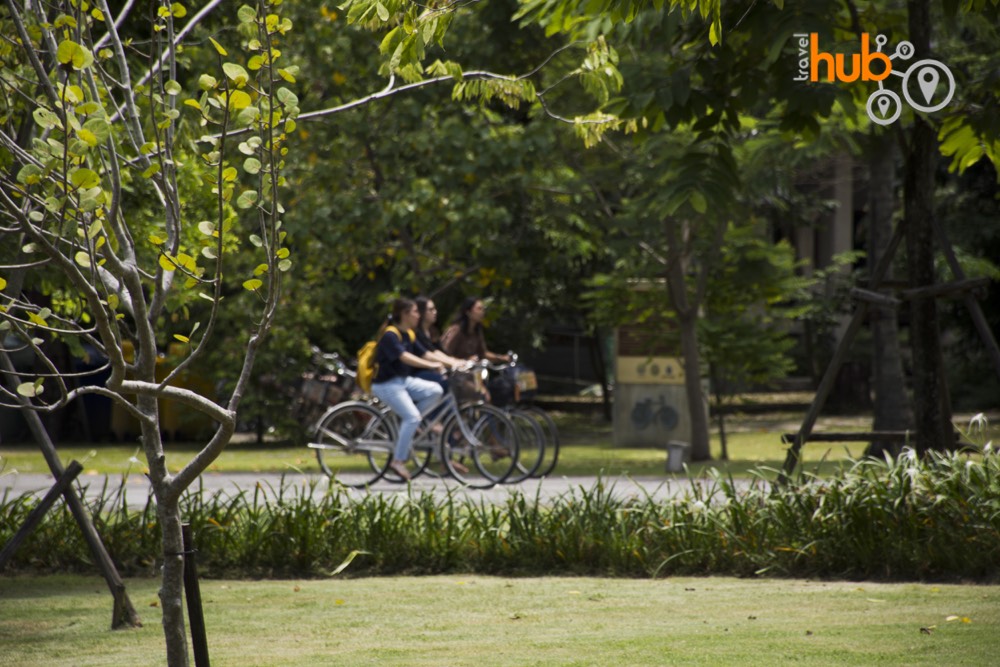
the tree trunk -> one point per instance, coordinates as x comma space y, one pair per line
933, 418
687, 321
700, 450
172, 586
892, 408
719, 412
168, 514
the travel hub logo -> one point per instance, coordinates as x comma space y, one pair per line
928, 85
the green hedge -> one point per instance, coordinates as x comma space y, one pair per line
907, 519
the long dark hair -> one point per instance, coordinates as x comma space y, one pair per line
462, 319
422, 302
399, 306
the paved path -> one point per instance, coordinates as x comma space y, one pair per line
137, 486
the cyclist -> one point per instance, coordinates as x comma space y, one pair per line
395, 383
427, 335
465, 339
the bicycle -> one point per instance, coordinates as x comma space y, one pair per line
300, 400
475, 442
513, 388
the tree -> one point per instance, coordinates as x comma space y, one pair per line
892, 410
124, 217
135, 223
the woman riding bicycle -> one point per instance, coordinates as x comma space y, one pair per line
465, 339
398, 355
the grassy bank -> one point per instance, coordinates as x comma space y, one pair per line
475, 620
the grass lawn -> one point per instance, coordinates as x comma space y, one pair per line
476, 620
587, 449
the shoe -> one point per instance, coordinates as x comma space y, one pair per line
459, 468
498, 452
399, 468
435, 430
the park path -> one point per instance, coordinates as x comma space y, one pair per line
136, 486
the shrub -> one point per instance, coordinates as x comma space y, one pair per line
904, 519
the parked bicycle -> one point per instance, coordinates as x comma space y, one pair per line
512, 388
475, 443
280, 402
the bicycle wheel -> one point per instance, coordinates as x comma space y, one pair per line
353, 443
530, 445
420, 452
551, 432
482, 450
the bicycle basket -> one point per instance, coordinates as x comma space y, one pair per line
466, 386
503, 388
527, 384
321, 390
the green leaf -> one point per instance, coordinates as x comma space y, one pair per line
236, 74
253, 284
29, 174
166, 263
46, 119
183, 339
75, 55
84, 178
287, 97
284, 265
87, 137
251, 165
172, 87
207, 82
246, 14
30, 389
698, 202
239, 100
382, 12
218, 47
99, 127
247, 199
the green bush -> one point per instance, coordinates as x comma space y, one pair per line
907, 519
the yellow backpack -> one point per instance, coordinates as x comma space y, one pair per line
367, 368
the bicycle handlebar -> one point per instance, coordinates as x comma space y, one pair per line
503, 365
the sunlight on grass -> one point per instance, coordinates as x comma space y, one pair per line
477, 620
753, 441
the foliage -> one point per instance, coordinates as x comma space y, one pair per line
904, 519
419, 193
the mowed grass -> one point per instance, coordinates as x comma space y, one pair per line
477, 620
753, 442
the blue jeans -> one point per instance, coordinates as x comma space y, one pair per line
408, 397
